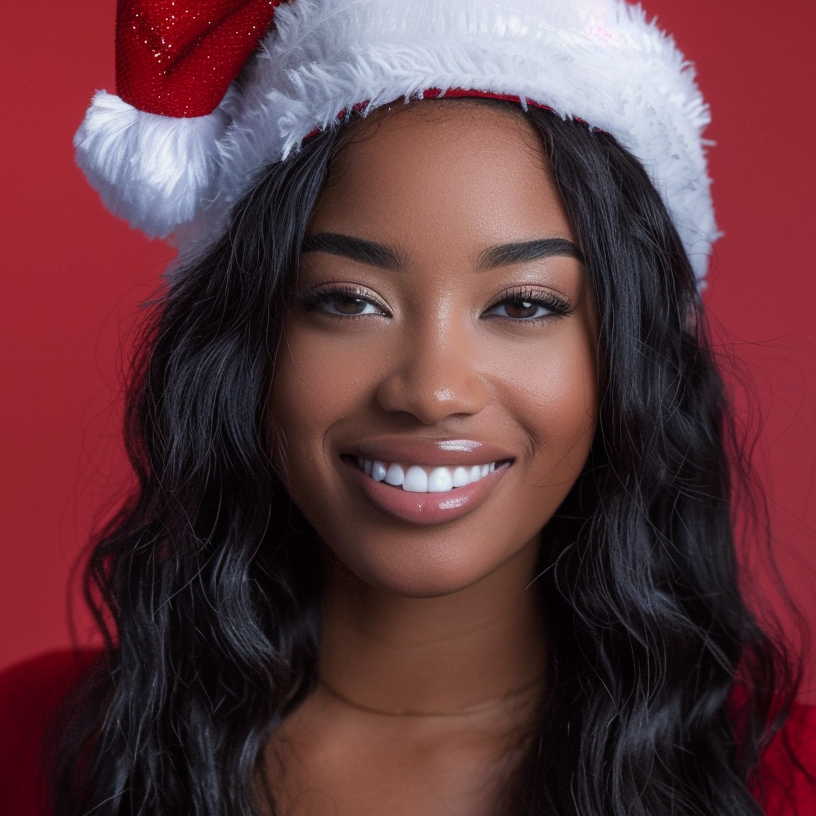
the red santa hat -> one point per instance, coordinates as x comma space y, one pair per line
211, 91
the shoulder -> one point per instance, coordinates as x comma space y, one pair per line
30, 693
787, 774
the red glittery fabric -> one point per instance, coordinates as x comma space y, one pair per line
178, 57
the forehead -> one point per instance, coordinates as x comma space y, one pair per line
427, 168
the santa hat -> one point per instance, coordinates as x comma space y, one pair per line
211, 91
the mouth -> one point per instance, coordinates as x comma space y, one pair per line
415, 478
422, 493
425, 481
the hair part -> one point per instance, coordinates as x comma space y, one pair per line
207, 583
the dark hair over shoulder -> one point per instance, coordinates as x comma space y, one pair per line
207, 582
664, 687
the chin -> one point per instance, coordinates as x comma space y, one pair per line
428, 579
428, 566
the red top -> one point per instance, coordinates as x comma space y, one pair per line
30, 691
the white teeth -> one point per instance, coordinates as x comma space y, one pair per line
419, 479
416, 480
461, 477
440, 480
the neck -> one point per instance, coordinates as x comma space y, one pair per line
455, 653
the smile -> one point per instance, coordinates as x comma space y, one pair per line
425, 478
424, 481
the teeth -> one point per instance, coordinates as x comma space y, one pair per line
418, 479
461, 477
440, 480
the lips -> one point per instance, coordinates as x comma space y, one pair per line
426, 481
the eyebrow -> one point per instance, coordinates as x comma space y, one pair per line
374, 254
357, 249
506, 254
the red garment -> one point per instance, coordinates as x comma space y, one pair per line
29, 694
788, 789
30, 691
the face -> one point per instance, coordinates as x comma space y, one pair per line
436, 385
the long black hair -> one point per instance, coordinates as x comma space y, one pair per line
662, 687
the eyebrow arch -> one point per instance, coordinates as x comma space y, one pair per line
357, 249
506, 254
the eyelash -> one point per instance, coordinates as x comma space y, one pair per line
320, 299
315, 300
556, 305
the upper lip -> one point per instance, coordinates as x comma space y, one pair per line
417, 451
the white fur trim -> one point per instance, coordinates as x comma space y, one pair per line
154, 171
597, 60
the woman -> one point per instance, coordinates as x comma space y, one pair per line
435, 466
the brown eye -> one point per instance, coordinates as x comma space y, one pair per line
349, 305
529, 306
521, 309
343, 303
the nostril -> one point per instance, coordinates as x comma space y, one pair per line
432, 397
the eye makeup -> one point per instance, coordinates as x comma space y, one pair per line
527, 304
341, 300
521, 304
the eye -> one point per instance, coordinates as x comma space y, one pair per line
519, 309
342, 301
528, 305
348, 305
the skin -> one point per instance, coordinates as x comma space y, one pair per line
430, 617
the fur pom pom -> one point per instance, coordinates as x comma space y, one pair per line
154, 171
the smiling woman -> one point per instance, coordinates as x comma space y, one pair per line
466, 338
437, 397
436, 471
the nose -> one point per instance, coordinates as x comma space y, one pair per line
434, 376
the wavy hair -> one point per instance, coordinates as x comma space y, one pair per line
664, 689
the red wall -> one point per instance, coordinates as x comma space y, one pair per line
73, 276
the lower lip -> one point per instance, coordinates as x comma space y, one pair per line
426, 508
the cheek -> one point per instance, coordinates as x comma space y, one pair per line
553, 395
317, 384
312, 377
297, 407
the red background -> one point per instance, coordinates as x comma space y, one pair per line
73, 276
